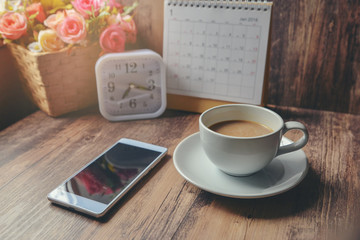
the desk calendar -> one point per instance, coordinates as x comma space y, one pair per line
215, 52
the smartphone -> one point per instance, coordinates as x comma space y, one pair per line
96, 187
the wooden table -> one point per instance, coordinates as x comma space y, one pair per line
39, 152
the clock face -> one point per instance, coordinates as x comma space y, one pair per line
130, 85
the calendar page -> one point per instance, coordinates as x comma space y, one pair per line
216, 51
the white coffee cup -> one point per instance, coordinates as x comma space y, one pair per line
242, 156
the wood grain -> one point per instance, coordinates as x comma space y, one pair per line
315, 55
39, 152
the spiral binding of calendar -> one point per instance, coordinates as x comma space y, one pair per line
227, 4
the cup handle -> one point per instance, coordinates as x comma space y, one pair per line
291, 125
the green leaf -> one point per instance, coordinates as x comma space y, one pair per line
33, 16
103, 14
129, 9
49, 5
7, 40
66, 7
39, 27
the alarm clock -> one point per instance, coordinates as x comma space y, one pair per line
131, 85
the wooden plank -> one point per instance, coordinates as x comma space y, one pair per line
315, 55
39, 152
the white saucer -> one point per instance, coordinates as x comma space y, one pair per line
282, 174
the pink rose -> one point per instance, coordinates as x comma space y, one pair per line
113, 4
53, 20
72, 28
13, 25
36, 8
85, 7
112, 39
127, 23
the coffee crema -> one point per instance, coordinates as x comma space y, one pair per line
241, 128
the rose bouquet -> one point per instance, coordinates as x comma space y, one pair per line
56, 43
52, 25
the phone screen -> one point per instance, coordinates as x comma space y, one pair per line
111, 173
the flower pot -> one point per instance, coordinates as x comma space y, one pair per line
59, 82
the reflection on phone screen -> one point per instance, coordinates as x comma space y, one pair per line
108, 175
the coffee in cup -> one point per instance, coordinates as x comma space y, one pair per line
241, 139
241, 128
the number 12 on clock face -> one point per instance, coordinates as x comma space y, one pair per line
131, 85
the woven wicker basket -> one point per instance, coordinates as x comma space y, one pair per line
60, 82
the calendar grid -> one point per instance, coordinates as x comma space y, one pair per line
216, 53
212, 61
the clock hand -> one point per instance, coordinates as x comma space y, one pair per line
141, 87
131, 86
127, 91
